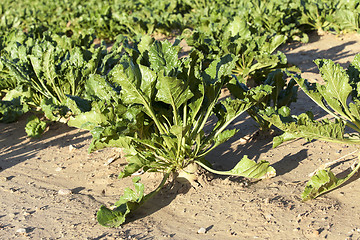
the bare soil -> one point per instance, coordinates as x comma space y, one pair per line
33, 171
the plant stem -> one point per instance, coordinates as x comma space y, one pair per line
215, 171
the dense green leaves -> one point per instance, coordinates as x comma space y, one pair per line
339, 96
35, 127
46, 74
283, 93
158, 113
142, 97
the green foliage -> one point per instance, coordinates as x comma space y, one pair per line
10, 111
256, 57
283, 94
339, 97
44, 73
35, 127
155, 106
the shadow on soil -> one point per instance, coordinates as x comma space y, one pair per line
159, 201
16, 147
305, 58
227, 155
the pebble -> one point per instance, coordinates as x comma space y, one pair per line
5, 179
72, 148
316, 232
201, 230
64, 192
59, 169
26, 213
21, 230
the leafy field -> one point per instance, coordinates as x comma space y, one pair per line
96, 66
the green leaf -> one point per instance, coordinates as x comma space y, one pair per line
96, 85
324, 181
303, 126
172, 91
337, 88
163, 57
137, 82
10, 111
130, 201
35, 127
246, 168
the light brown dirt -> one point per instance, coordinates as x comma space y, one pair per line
33, 171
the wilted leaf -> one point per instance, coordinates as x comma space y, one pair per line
324, 181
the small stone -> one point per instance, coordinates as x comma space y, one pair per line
64, 192
316, 232
59, 169
26, 213
21, 230
201, 230
5, 179
72, 148
296, 229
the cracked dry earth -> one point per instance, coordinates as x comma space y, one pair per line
51, 187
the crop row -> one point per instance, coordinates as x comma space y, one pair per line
141, 96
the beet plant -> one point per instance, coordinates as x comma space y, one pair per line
40, 73
339, 97
166, 114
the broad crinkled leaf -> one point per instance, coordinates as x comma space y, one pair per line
238, 27
337, 88
250, 169
163, 57
35, 127
219, 68
97, 86
303, 126
137, 82
172, 91
88, 120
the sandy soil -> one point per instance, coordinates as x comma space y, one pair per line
35, 173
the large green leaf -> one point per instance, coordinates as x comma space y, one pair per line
163, 57
246, 168
337, 89
172, 91
304, 126
35, 127
137, 82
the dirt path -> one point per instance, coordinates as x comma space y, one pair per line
33, 171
